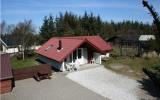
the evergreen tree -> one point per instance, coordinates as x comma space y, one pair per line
47, 29
69, 24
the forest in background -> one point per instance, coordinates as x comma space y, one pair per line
69, 24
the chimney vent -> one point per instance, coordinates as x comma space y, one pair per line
59, 45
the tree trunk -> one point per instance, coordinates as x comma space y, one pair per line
22, 48
23, 54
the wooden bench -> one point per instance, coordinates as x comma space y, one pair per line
43, 72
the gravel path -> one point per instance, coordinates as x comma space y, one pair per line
107, 83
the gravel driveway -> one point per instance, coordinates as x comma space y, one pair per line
108, 84
58, 88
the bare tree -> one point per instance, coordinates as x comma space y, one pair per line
23, 34
5, 28
2, 27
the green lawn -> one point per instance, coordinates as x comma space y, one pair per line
23, 63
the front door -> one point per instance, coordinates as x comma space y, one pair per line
90, 55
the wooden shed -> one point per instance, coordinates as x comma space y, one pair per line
6, 76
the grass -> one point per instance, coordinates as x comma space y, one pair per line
136, 65
27, 62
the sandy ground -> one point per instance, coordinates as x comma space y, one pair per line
109, 84
58, 88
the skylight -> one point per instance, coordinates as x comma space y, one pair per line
50, 46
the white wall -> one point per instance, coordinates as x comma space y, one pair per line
35, 47
97, 57
4, 48
11, 50
15, 49
82, 60
85, 56
107, 55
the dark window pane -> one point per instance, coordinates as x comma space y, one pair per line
70, 58
79, 53
74, 56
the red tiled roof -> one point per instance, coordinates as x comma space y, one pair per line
69, 44
98, 42
6, 71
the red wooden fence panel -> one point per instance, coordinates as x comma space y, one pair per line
29, 72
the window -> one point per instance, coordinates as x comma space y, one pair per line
65, 60
74, 56
79, 53
70, 58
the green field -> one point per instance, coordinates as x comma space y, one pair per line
23, 63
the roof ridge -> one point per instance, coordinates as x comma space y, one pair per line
67, 38
75, 37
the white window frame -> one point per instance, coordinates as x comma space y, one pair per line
71, 60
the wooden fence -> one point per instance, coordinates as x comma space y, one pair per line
29, 72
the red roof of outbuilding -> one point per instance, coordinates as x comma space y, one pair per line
69, 44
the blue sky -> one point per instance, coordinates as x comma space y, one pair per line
14, 11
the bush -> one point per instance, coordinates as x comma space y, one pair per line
153, 45
154, 73
29, 53
156, 67
19, 57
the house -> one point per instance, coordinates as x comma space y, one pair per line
147, 37
8, 46
144, 40
6, 76
12, 47
61, 51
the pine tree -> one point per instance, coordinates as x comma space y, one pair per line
47, 29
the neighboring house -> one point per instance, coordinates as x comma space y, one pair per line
147, 37
60, 51
144, 40
131, 45
6, 76
8, 46
35, 47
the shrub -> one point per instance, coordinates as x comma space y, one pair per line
19, 57
154, 73
29, 53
